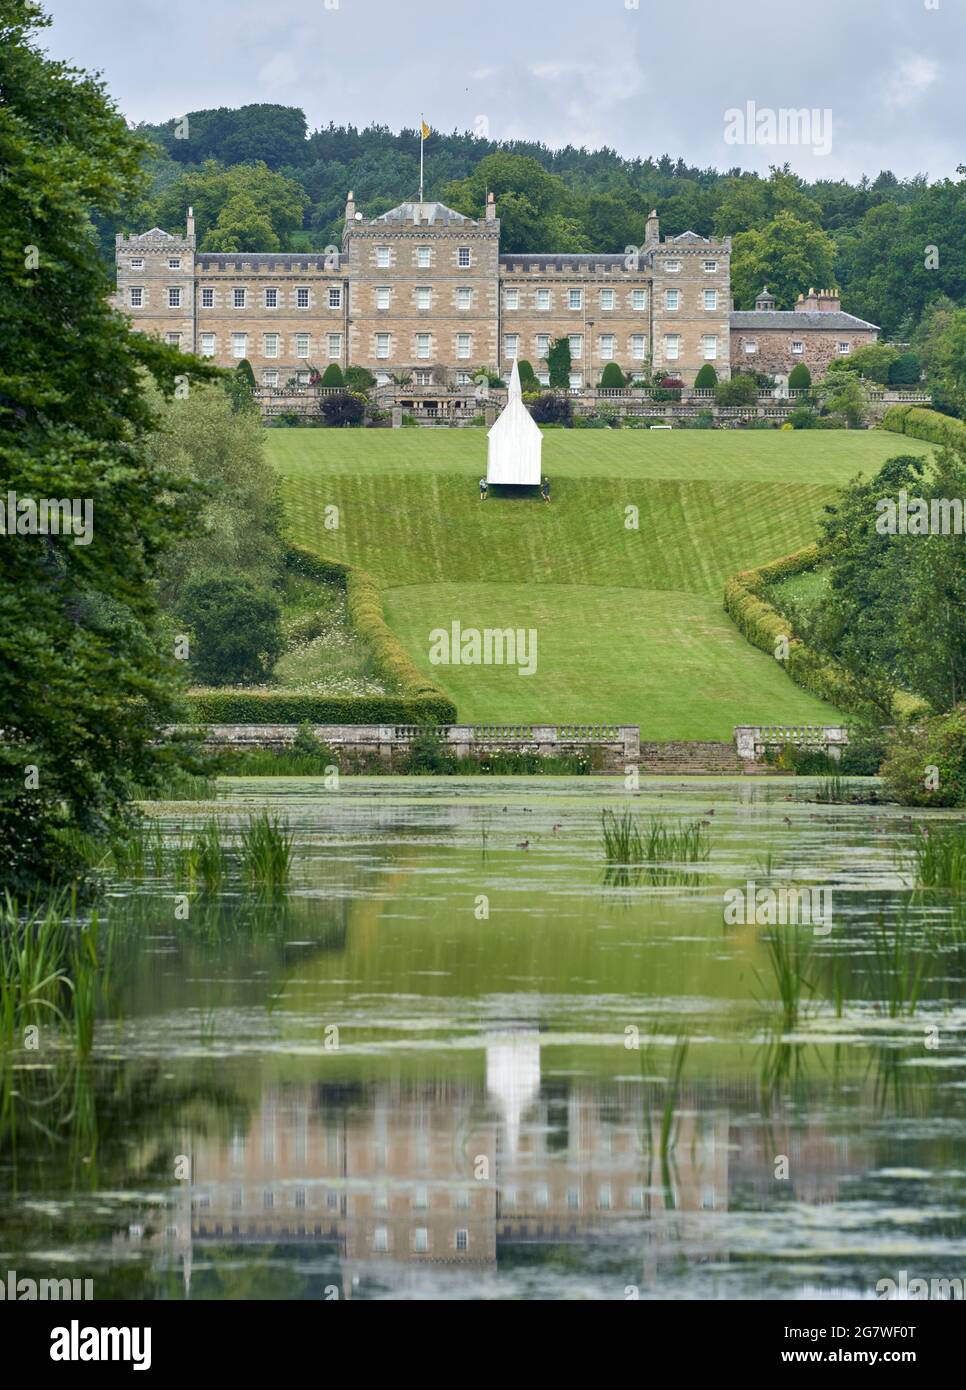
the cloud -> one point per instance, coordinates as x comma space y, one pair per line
911, 79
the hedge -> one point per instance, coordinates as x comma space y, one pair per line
920, 423
416, 699
761, 624
248, 706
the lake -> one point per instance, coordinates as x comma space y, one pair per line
460, 1058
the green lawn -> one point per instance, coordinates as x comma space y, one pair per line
629, 622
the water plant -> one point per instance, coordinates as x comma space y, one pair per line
790, 958
659, 842
266, 850
899, 959
201, 857
939, 856
50, 971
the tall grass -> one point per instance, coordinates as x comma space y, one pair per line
790, 958
939, 855
659, 842
834, 789
266, 851
899, 961
201, 857
50, 972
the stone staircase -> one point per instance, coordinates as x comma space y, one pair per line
696, 759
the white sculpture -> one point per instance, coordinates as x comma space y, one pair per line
514, 442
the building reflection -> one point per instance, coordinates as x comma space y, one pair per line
451, 1171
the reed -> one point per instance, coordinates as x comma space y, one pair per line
834, 789
899, 959
201, 857
790, 958
939, 856
659, 842
266, 851
49, 971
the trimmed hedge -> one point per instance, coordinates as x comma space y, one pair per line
416, 699
247, 706
920, 423
761, 624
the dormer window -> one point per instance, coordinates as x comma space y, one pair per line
672, 267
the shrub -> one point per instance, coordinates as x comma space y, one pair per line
344, 408
938, 743
332, 376
279, 706
612, 378
428, 754
803, 417
528, 377
799, 378
739, 390
237, 629
244, 371
359, 379
706, 379
552, 409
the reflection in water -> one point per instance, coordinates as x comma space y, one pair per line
363, 1089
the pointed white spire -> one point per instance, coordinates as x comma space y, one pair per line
515, 389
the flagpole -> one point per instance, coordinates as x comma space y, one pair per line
422, 142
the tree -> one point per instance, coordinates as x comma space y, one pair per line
332, 376
262, 131
558, 362
786, 254
906, 370
612, 377
86, 678
222, 452
236, 629
247, 207
845, 394
799, 378
343, 408
528, 378
874, 362
706, 379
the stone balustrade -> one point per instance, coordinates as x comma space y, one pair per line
752, 740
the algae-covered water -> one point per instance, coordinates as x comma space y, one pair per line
459, 1058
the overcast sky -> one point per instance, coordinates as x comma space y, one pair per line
887, 78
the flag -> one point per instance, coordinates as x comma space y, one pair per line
425, 130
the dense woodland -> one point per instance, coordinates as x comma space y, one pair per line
259, 180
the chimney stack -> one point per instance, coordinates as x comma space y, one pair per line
350, 207
652, 229
491, 207
191, 226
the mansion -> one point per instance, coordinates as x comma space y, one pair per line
424, 292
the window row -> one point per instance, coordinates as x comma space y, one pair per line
272, 298
606, 346
672, 347
271, 344
797, 347
707, 299
542, 299
422, 257
419, 1239
674, 267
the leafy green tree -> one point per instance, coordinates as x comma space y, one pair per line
236, 629
906, 370
558, 362
874, 362
787, 254
707, 378
843, 393
611, 377
239, 512
247, 207
750, 202
799, 378
272, 134
332, 376
535, 207
528, 378
85, 678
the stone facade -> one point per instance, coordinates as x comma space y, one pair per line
815, 332
424, 292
